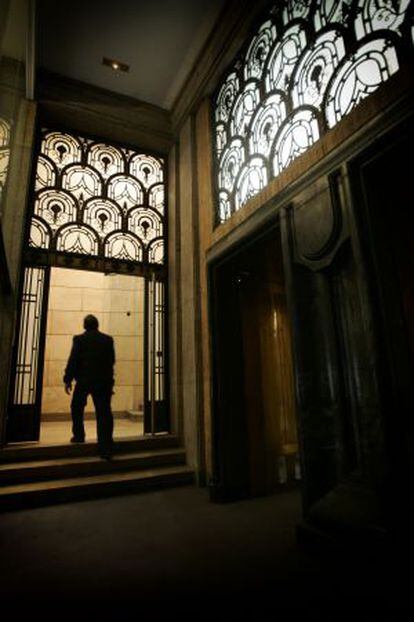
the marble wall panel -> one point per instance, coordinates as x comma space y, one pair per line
117, 301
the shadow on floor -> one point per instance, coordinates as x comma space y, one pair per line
155, 547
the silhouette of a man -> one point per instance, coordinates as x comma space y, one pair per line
91, 364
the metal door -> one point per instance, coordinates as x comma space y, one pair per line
156, 411
23, 423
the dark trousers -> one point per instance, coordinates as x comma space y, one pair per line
101, 396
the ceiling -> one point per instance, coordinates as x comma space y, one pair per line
159, 40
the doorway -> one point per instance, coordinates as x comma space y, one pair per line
54, 302
256, 442
118, 302
100, 207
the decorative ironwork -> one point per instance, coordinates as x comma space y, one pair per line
155, 419
305, 67
28, 347
97, 199
5, 129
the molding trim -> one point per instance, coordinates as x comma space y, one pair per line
91, 109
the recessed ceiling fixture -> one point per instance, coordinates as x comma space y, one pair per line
116, 65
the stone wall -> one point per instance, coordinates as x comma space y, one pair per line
118, 303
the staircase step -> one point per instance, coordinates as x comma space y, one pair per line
18, 452
34, 494
59, 468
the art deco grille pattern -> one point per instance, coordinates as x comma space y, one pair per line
5, 129
96, 199
305, 68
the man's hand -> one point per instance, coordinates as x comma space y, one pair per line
68, 387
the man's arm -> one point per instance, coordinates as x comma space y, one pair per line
72, 365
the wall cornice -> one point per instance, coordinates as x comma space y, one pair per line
90, 109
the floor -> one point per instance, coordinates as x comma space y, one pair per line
56, 432
121, 556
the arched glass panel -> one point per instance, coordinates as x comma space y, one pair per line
77, 239
259, 50
373, 15
98, 199
268, 119
306, 66
332, 11
315, 69
359, 77
126, 191
156, 197
244, 107
147, 169
226, 97
294, 139
55, 207
295, 9
61, 149
103, 215
106, 159
283, 58
45, 174
124, 246
231, 164
156, 252
39, 234
82, 182
145, 223
252, 179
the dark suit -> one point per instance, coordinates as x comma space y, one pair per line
91, 364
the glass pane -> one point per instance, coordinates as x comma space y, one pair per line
96, 199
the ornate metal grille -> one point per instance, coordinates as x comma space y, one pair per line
96, 199
156, 418
305, 68
28, 348
5, 129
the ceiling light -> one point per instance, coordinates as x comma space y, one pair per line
116, 65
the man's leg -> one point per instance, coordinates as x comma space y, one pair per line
104, 420
80, 395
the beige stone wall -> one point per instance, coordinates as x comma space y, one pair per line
117, 301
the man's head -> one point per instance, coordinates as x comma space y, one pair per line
90, 322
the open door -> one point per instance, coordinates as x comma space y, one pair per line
255, 439
25, 397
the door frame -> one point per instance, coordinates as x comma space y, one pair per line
29, 430
48, 258
230, 466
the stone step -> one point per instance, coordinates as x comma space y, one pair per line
17, 452
35, 494
77, 466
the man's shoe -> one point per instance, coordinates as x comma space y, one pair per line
106, 456
77, 440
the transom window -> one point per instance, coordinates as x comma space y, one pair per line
304, 69
97, 199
